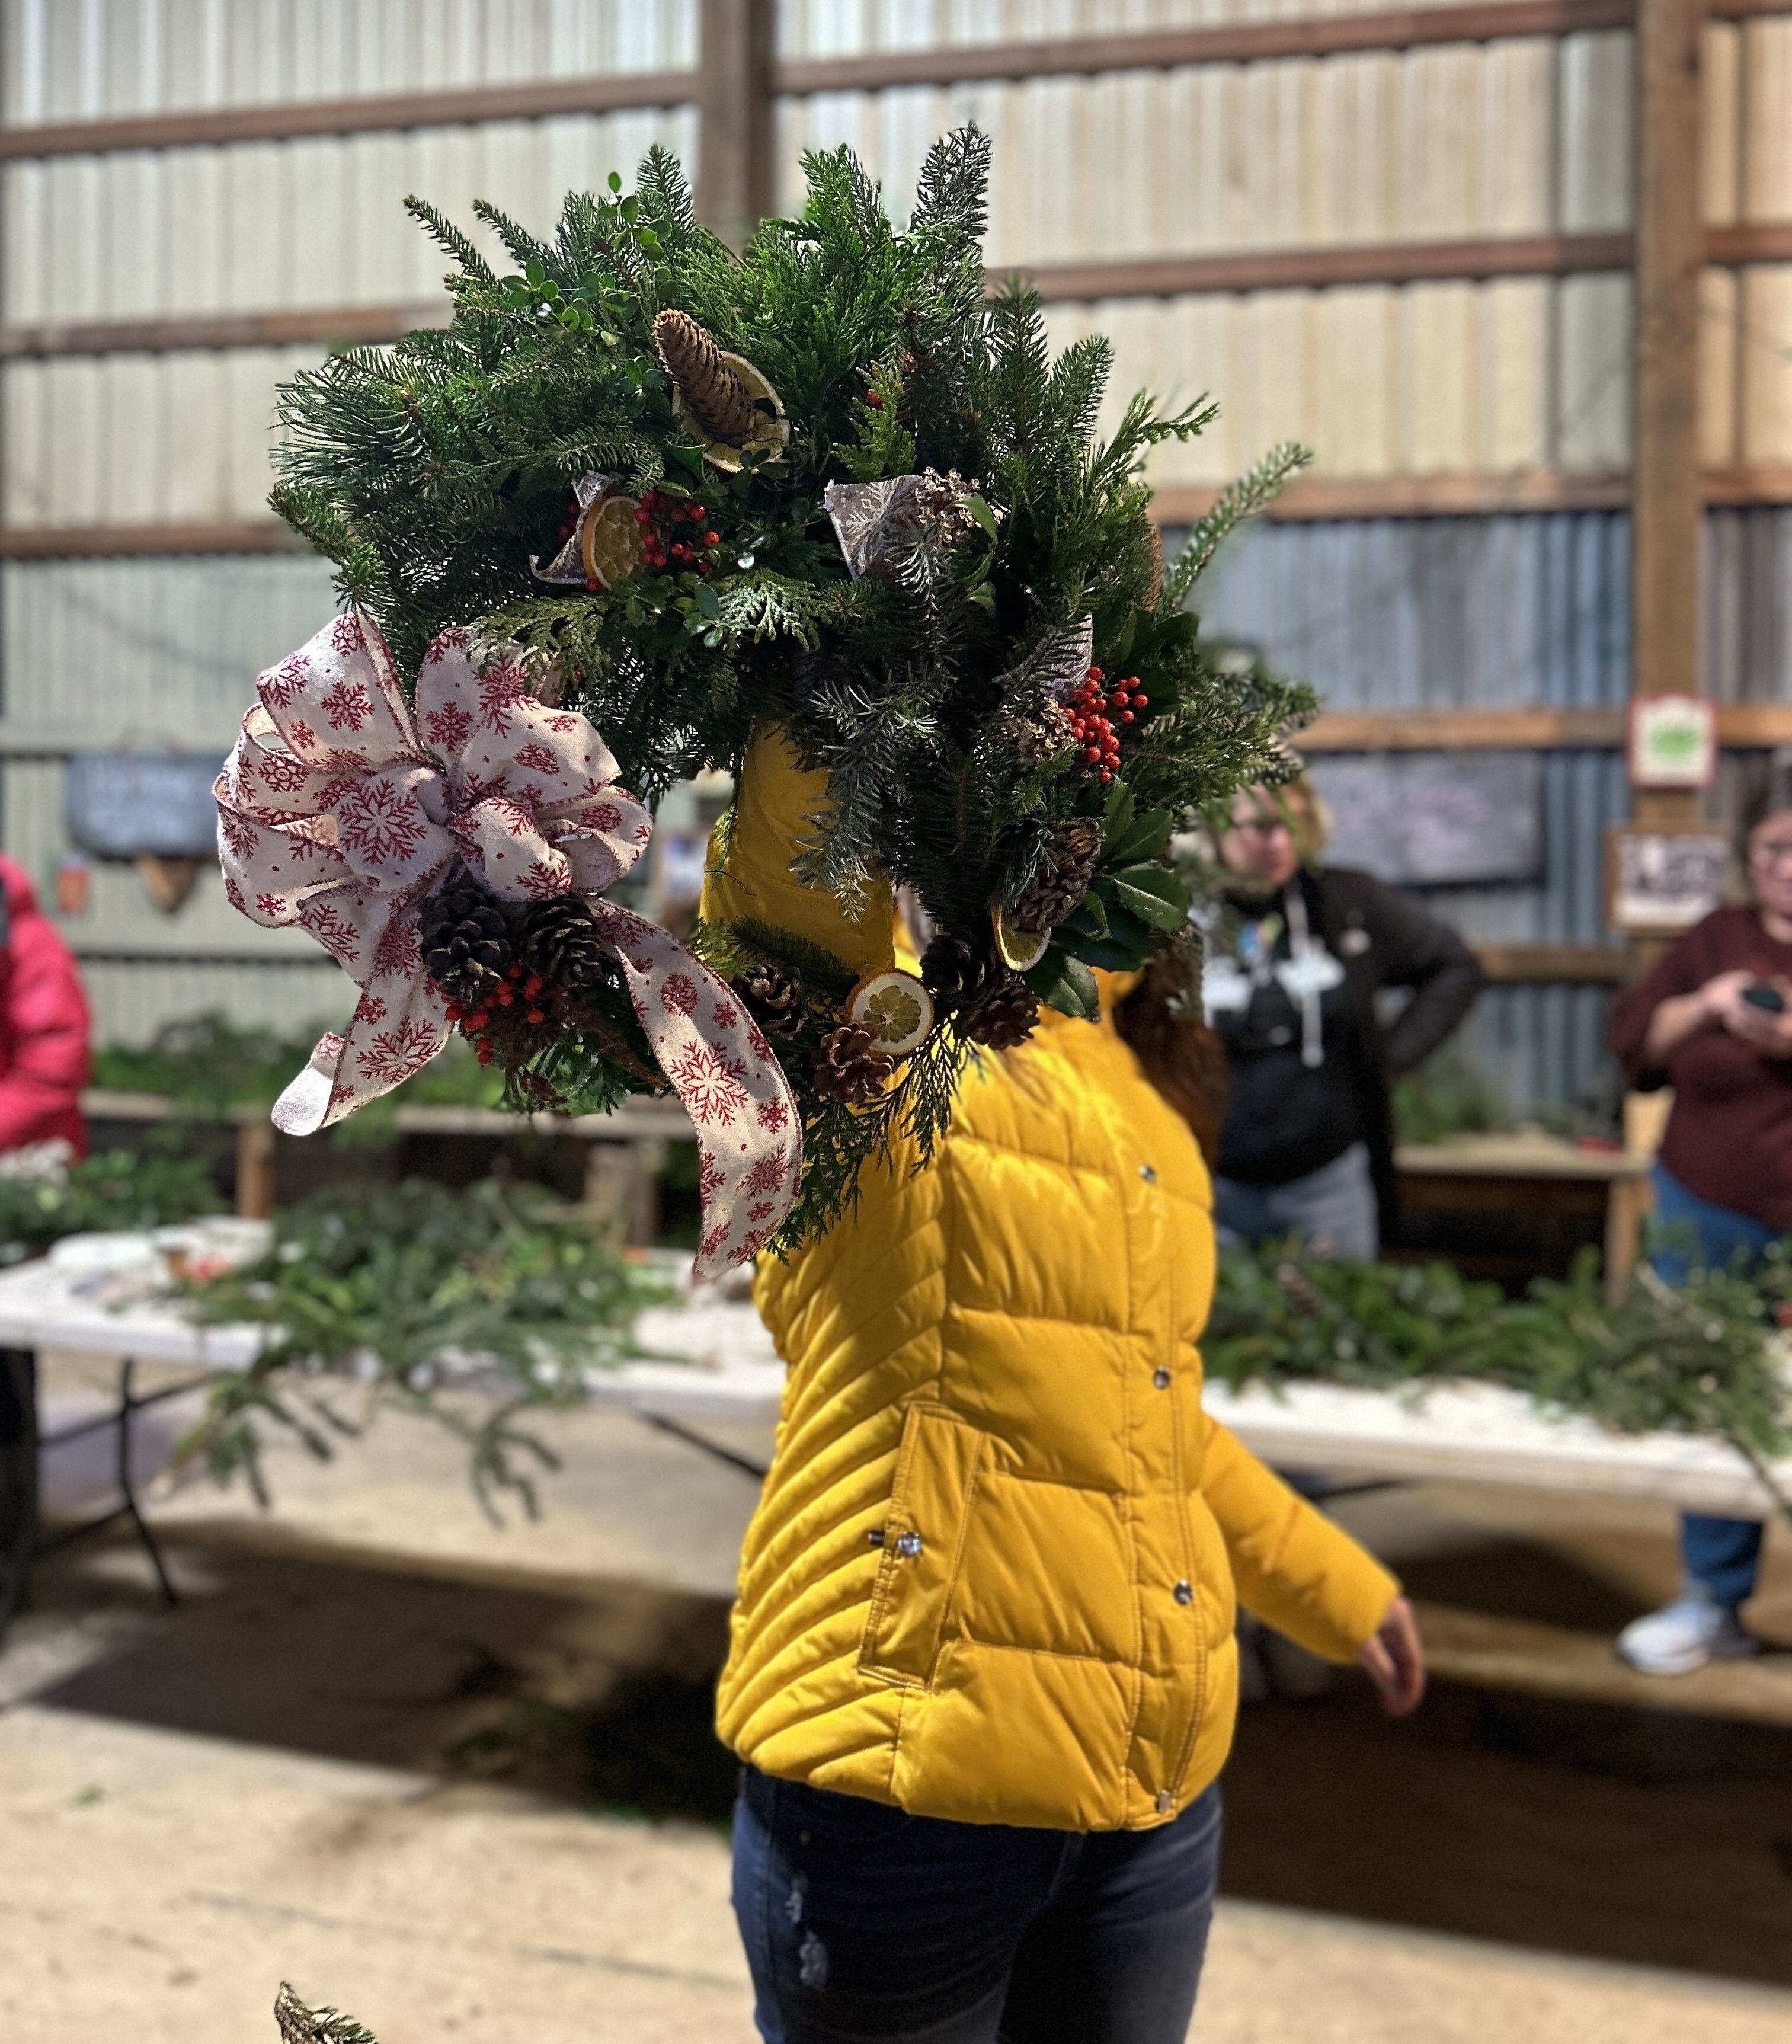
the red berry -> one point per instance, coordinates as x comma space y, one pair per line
695, 511
536, 1015
1092, 753
1126, 716
484, 1054
478, 1020
505, 996
875, 400
642, 515
712, 539
535, 983
1095, 674
591, 585
454, 1011
1106, 779
1140, 702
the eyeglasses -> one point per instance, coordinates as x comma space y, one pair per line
1264, 826
1772, 851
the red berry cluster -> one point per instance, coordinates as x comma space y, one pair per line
1095, 711
533, 997
660, 518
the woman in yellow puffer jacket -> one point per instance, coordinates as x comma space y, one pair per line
982, 1673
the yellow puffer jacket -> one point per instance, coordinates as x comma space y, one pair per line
991, 1576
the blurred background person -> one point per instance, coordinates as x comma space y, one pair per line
1713, 1020
1297, 955
44, 1050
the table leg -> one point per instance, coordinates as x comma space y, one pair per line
128, 1404
1627, 1205
18, 1475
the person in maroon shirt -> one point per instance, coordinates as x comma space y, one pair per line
1713, 1020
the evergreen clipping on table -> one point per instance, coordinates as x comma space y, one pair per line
391, 1286
1708, 1359
299, 2024
829, 483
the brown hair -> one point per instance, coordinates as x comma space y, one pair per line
1182, 1056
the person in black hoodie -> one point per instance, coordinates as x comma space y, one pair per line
1297, 954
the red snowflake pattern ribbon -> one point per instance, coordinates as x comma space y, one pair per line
341, 808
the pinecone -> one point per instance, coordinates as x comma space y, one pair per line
714, 395
465, 939
1006, 1015
957, 970
1037, 735
848, 1066
558, 941
1064, 875
773, 998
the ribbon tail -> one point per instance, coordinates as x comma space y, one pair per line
387, 1041
750, 1138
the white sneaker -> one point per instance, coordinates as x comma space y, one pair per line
1684, 1636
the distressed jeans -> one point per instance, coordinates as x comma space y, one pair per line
860, 1924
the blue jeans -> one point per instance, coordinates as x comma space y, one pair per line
1724, 1554
1333, 1210
861, 1922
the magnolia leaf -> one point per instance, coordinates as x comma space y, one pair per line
1153, 893
1066, 984
1147, 836
1117, 819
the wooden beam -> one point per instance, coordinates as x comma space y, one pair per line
289, 121
1741, 727
221, 536
1553, 965
323, 325
1315, 269
1448, 495
1666, 489
736, 114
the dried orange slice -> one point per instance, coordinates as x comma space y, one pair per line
895, 1007
1021, 950
609, 539
773, 431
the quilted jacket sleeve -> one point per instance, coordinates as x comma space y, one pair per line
1294, 1568
776, 806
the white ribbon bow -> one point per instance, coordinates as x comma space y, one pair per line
339, 811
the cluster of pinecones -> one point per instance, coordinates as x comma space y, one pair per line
847, 1065
505, 979
1064, 876
994, 1006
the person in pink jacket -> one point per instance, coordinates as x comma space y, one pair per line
44, 1024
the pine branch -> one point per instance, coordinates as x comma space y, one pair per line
440, 229
1240, 500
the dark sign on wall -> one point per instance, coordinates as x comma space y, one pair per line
1434, 819
131, 804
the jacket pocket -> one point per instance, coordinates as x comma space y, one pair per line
923, 1541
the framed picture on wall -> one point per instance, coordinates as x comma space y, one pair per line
1661, 880
1673, 742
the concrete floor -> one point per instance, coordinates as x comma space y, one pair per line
389, 1752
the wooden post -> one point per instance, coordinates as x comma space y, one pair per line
1667, 505
735, 112
254, 1168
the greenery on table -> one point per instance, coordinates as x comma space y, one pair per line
386, 1291
208, 1064
117, 1190
1700, 1359
299, 2024
1444, 1098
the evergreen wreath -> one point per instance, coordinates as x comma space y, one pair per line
833, 484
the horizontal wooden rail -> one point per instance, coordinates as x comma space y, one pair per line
1473, 495
327, 325
1553, 965
1393, 262
291, 121
970, 63
1741, 727
1335, 497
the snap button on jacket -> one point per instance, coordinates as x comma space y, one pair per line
991, 1577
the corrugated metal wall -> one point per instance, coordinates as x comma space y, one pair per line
1511, 137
